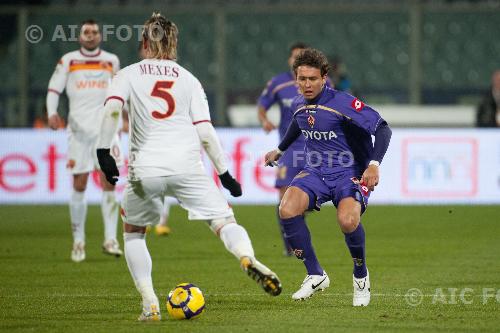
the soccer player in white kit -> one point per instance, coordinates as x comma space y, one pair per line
86, 74
162, 228
169, 116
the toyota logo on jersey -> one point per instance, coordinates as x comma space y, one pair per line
357, 104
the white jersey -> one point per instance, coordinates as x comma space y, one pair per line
166, 100
86, 77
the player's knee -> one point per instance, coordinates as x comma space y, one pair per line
130, 228
287, 210
217, 224
79, 187
348, 221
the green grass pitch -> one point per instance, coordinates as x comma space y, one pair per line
440, 250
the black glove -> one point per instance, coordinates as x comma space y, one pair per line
231, 184
108, 165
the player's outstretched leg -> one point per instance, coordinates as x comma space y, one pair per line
78, 215
236, 241
140, 265
266, 278
299, 237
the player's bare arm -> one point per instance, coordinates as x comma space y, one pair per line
266, 124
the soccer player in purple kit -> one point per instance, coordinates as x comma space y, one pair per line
342, 165
282, 89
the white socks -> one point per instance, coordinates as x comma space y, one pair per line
78, 215
164, 211
236, 240
109, 209
140, 265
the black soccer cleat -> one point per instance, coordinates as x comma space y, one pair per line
266, 278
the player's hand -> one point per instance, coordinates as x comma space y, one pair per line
54, 121
271, 158
108, 165
268, 126
370, 177
230, 184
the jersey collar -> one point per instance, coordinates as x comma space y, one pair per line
88, 53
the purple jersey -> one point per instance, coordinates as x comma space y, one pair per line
337, 128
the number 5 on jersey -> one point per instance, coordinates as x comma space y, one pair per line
160, 90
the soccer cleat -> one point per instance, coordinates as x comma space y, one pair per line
162, 230
152, 314
311, 285
112, 247
78, 252
266, 278
361, 294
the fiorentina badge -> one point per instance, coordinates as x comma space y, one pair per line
311, 120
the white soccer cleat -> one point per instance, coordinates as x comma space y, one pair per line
150, 314
361, 294
112, 247
311, 285
78, 252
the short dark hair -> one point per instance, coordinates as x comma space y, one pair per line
298, 45
313, 58
89, 21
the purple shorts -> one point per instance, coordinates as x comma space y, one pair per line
334, 188
289, 165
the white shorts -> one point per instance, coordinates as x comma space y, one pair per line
143, 199
82, 156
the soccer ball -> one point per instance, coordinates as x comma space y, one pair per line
185, 301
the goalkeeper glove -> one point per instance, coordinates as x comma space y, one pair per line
231, 184
108, 165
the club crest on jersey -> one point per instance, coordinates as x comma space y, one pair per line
357, 104
311, 120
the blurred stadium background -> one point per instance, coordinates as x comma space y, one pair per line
416, 52
420, 63
424, 64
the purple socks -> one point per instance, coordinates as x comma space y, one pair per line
298, 236
356, 243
